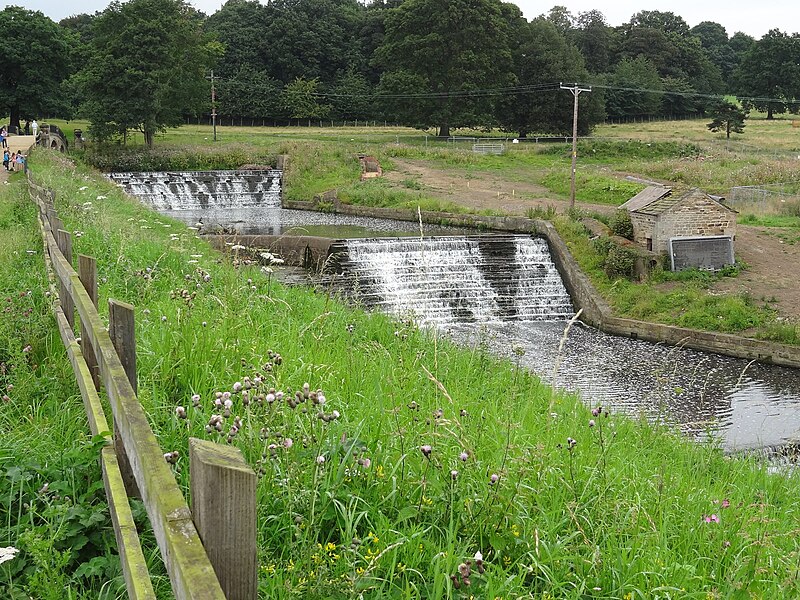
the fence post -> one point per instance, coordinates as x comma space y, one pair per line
64, 241
223, 488
122, 332
87, 271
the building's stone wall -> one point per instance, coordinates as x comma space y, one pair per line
643, 226
695, 216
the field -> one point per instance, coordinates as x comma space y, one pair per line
429, 471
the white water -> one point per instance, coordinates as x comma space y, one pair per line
458, 279
191, 190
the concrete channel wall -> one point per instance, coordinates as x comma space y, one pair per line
312, 252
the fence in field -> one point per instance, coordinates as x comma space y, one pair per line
210, 551
768, 199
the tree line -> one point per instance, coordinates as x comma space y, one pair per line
145, 64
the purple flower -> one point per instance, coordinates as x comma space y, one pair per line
287, 443
180, 412
453, 474
725, 503
463, 456
711, 518
237, 387
591, 422
426, 450
494, 478
321, 459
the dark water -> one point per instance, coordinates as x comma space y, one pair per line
280, 221
744, 405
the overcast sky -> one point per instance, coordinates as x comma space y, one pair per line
754, 18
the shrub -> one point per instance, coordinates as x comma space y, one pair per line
602, 245
122, 158
619, 262
622, 225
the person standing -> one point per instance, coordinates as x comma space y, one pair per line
3, 136
27, 127
13, 161
34, 127
6, 158
20, 162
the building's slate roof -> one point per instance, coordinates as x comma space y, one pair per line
647, 196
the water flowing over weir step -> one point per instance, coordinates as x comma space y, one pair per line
191, 190
441, 280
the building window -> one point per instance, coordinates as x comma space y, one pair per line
649, 244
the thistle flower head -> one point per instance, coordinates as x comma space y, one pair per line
426, 450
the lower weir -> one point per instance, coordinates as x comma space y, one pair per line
455, 279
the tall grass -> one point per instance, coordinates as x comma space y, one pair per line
52, 504
428, 471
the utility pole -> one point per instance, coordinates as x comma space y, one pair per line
213, 106
576, 91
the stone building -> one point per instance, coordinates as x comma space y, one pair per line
658, 216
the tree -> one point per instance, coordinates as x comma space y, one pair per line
249, 93
239, 26
437, 54
594, 39
543, 55
148, 66
727, 117
667, 22
33, 61
301, 100
635, 89
312, 39
768, 77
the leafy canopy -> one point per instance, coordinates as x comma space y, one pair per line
147, 68
33, 62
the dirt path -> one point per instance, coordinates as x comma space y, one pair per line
486, 191
772, 255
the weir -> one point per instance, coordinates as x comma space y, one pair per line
454, 279
207, 190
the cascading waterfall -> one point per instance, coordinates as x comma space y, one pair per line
192, 190
443, 280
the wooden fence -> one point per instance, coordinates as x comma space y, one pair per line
210, 551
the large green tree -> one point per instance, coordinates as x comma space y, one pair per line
147, 70
635, 89
544, 56
313, 39
440, 57
34, 59
239, 25
768, 77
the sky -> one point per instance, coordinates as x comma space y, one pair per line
753, 18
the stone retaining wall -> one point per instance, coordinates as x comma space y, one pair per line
596, 311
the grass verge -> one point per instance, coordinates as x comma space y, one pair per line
408, 467
52, 503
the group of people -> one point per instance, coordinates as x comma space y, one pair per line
14, 161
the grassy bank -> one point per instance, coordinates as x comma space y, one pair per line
423, 456
52, 503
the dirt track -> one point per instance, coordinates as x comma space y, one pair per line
772, 255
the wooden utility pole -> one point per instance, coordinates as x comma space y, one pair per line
213, 106
576, 91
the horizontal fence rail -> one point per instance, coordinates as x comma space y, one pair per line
133, 464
